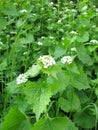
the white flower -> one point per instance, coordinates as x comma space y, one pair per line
23, 11
96, 9
49, 19
34, 14
59, 21
62, 38
73, 32
43, 37
94, 26
40, 43
74, 10
66, 59
54, 8
94, 41
47, 61
73, 49
84, 13
42, 8
84, 8
1, 43
71, 2
51, 37
22, 78
51, 3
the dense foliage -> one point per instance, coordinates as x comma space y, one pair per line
48, 65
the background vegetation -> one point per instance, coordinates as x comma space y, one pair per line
48, 65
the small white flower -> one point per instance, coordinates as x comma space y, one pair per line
71, 2
73, 32
25, 53
94, 41
84, 13
47, 61
94, 26
51, 37
74, 10
34, 14
73, 49
23, 11
42, 8
59, 21
49, 19
15, 4
40, 43
54, 8
51, 3
84, 8
43, 37
97, 10
1, 43
22, 78
66, 59
62, 38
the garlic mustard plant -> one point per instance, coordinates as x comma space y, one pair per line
66, 59
22, 78
47, 61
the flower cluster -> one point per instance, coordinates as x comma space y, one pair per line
73, 32
47, 61
66, 59
40, 43
23, 11
22, 78
73, 49
94, 41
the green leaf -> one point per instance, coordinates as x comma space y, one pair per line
71, 104
3, 22
83, 97
84, 36
33, 71
82, 54
63, 80
59, 84
80, 81
3, 65
59, 52
38, 96
85, 119
52, 71
29, 37
9, 9
12, 87
58, 123
15, 120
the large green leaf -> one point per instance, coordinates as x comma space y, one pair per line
59, 52
82, 54
15, 120
84, 36
38, 96
80, 81
59, 84
71, 104
9, 9
85, 119
33, 71
58, 123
